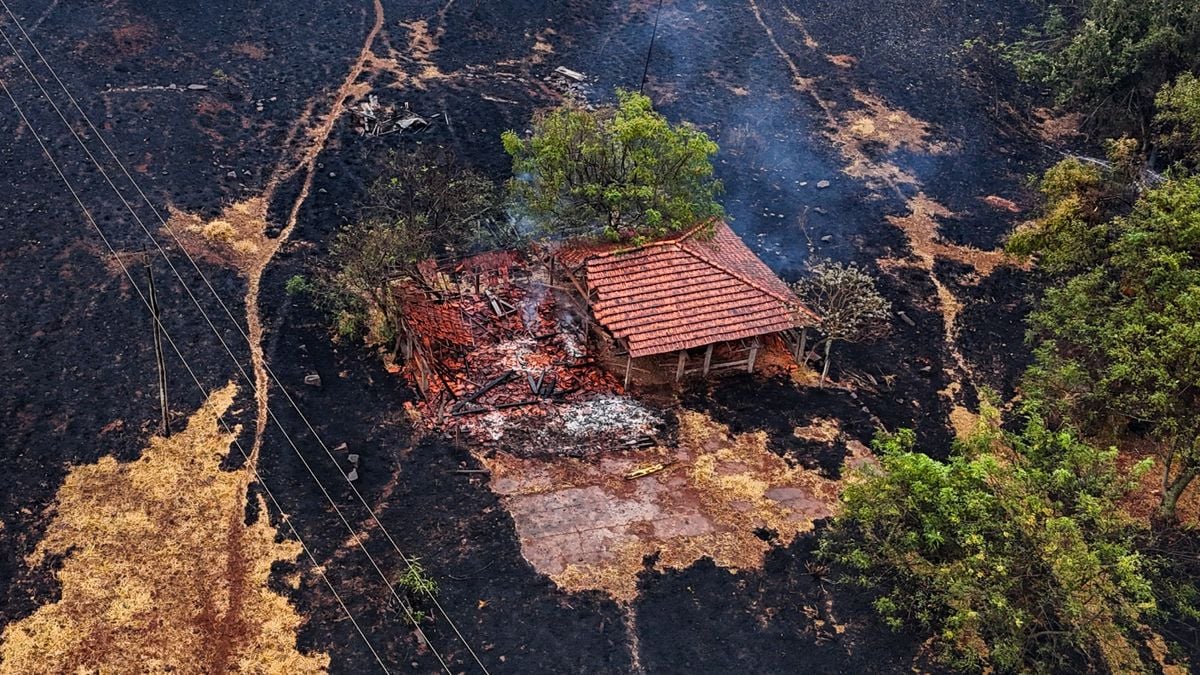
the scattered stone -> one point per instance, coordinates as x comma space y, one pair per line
352, 476
823, 184
827, 238
312, 380
905, 319
198, 87
353, 457
231, 174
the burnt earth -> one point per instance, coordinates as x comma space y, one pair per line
79, 381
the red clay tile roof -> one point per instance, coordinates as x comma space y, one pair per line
687, 291
432, 320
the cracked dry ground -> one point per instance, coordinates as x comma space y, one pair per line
256, 172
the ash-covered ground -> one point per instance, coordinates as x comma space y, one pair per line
876, 97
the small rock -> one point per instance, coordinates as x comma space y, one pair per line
198, 87
231, 174
827, 238
312, 380
352, 476
820, 210
803, 183
353, 457
823, 184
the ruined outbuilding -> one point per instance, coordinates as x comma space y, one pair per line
695, 302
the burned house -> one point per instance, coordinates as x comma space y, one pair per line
692, 303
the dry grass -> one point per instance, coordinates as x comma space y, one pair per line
161, 573
236, 238
726, 485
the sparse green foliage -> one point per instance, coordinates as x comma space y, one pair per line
421, 207
297, 284
621, 172
848, 304
1013, 552
1178, 119
419, 589
1116, 339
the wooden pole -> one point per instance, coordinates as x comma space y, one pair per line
802, 356
682, 364
753, 355
159, 359
707, 358
628, 368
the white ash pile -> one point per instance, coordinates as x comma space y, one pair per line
604, 423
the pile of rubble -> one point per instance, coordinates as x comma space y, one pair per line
569, 83
512, 373
375, 119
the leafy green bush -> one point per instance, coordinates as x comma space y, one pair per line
1013, 552
297, 284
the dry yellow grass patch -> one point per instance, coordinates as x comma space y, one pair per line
237, 237
161, 573
722, 488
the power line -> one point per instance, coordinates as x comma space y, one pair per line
354, 534
267, 368
149, 306
653, 35
407, 561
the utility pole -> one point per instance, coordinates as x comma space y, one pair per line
653, 35
159, 360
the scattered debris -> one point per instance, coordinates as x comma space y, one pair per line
642, 472
821, 185
375, 119
312, 380
570, 74
569, 82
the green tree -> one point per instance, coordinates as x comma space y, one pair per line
1014, 553
1110, 58
850, 308
422, 206
621, 172
1117, 338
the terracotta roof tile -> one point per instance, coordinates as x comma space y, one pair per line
686, 291
436, 321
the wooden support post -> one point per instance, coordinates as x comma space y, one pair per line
682, 364
753, 355
707, 358
802, 355
628, 368
159, 360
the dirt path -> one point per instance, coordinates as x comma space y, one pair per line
319, 137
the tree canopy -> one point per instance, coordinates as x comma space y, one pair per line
1110, 58
1117, 339
621, 172
1014, 553
850, 308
